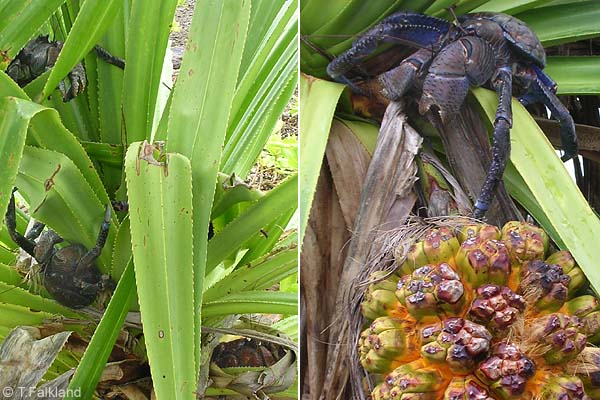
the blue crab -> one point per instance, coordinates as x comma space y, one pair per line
482, 49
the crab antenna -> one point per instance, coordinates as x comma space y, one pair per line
451, 11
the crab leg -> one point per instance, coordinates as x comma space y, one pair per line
540, 92
398, 81
502, 83
78, 83
469, 61
91, 255
104, 55
11, 224
404, 27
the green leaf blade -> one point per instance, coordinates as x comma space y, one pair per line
564, 23
264, 88
160, 206
273, 204
60, 196
253, 302
262, 274
318, 100
578, 75
201, 106
13, 131
148, 33
20, 21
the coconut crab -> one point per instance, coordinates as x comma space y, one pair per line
482, 49
40, 54
69, 273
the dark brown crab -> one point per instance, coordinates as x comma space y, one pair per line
69, 273
40, 54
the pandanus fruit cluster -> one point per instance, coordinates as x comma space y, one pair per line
481, 313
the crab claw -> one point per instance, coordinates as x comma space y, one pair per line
467, 62
78, 83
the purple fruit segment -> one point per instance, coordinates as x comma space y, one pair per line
496, 307
386, 343
432, 292
507, 371
379, 299
564, 387
562, 334
466, 388
437, 246
524, 241
459, 343
483, 261
480, 231
582, 305
415, 380
587, 368
440, 245
475, 313
544, 285
411, 258
562, 258
591, 326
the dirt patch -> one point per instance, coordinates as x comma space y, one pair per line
290, 117
183, 17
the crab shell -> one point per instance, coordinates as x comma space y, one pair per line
519, 35
68, 282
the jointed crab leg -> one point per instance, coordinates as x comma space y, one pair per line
398, 81
91, 255
104, 55
538, 92
542, 89
502, 83
77, 75
40, 54
78, 82
412, 29
482, 49
11, 223
469, 61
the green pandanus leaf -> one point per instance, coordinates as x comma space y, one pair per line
60, 196
160, 207
147, 35
199, 113
318, 100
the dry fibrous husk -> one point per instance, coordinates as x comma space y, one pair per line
24, 359
387, 199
